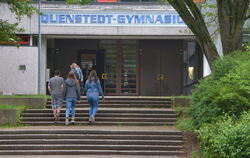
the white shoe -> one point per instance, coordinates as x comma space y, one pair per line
67, 121
72, 120
93, 119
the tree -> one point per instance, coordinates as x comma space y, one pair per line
231, 15
8, 30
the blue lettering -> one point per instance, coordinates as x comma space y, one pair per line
101, 19
129, 18
86, 19
150, 19
159, 19
93, 19
78, 18
61, 18
109, 18
139, 19
53, 19
174, 19
179, 20
69, 18
44, 18
167, 19
121, 19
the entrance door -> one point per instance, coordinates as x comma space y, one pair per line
121, 66
161, 71
150, 70
91, 60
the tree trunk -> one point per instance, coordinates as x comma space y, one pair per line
193, 18
231, 17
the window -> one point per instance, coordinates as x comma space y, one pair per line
24, 40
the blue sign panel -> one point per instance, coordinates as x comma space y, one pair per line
117, 19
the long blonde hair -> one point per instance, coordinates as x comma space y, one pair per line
93, 74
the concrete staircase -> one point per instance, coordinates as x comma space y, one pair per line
112, 111
90, 142
152, 134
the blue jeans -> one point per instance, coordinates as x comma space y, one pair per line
70, 106
93, 100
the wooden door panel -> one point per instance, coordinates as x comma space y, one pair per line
150, 68
171, 68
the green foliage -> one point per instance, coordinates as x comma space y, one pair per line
184, 124
227, 90
8, 31
227, 138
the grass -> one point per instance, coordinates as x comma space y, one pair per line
184, 120
19, 109
24, 96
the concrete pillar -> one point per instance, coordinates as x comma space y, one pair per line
43, 66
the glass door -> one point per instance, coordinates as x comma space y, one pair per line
110, 83
121, 67
128, 68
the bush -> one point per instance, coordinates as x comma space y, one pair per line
227, 90
226, 138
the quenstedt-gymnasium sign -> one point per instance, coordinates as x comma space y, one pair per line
114, 19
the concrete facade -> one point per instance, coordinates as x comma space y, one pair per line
13, 80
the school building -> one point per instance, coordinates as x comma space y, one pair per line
137, 47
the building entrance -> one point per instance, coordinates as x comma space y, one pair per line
130, 67
121, 66
160, 67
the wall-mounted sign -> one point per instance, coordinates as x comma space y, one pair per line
114, 19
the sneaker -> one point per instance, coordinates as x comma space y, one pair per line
90, 120
93, 119
72, 120
66, 121
57, 117
55, 120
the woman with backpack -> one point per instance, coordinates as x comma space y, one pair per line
93, 89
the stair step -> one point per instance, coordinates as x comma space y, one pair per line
123, 111
126, 98
89, 152
92, 141
89, 131
121, 106
105, 115
86, 147
91, 136
111, 119
102, 123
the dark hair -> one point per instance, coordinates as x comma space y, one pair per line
57, 72
93, 74
71, 75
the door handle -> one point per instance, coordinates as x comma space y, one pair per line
160, 77
104, 76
